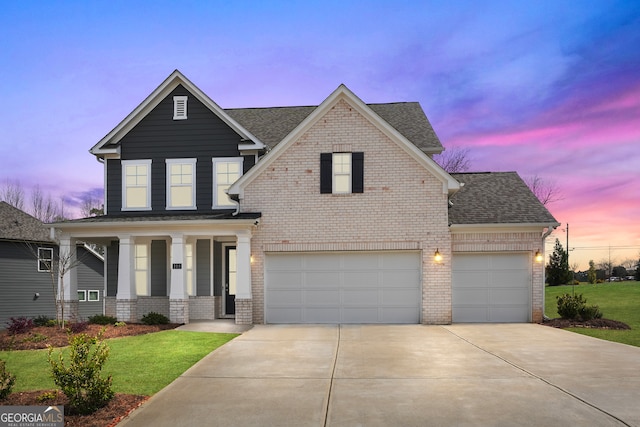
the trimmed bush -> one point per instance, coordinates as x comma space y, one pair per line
42, 320
574, 307
77, 327
80, 378
100, 319
153, 318
7, 380
19, 325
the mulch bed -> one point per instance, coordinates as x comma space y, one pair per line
42, 337
593, 323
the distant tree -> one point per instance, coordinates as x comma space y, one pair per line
546, 191
558, 270
44, 207
619, 271
638, 270
454, 160
605, 265
591, 275
91, 207
629, 264
12, 193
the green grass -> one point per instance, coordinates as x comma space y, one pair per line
142, 364
617, 301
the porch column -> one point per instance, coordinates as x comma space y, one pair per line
65, 265
178, 296
126, 297
244, 302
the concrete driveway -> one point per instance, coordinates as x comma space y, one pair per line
405, 375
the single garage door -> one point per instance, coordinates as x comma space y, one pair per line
343, 287
491, 287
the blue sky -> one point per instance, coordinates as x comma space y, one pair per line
540, 87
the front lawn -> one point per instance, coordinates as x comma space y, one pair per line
617, 301
141, 365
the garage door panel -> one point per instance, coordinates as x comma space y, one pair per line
320, 279
399, 278
286, 315
400, 315
356, 297
470, 296
472, 279
319, 315
361, 315
285, 279
463, 262
509, 279
508, 314
509, 296
325, 297
499, 262
328, 262
290, 262
472, 314
399, 297
400, 260
362, 262
360, 278
286, 297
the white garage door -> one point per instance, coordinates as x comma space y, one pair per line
491, 287
343, 287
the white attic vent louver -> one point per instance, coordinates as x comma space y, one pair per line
179, 107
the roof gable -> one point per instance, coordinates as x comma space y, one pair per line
18, 225
343, 93
109, 144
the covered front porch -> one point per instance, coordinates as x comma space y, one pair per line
184, 268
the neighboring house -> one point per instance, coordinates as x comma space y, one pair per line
26, 285
333, 213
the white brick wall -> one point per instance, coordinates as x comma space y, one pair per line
402, 205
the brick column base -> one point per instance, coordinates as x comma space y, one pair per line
244, 311
127, 310
179, 310
71, 310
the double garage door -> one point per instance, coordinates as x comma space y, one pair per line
343, 287
491, 287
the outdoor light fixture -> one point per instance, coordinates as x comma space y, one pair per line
538, 256
436, 256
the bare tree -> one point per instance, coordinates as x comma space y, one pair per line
629, 264
91, 207
44, 207
454, 160
605, 265
12, 193
546, 191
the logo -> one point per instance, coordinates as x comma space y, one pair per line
31, 416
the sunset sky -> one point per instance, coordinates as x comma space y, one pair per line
547, 88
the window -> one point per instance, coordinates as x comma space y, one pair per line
226, 171
94, 296
82, 296
341, 173
45, 259
181, 189
188, 256
136, 184
179, 108
141, 270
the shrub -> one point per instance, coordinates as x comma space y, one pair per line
119, 324
153, 318
19, 325
77, 327
42, 320
47, 395
80, 379
7, 380
575, 307
100, 319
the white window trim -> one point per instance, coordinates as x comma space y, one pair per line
177, 114
170, 162
217, 160
124, 164
96, 292
43, 259
335, 174
146, 243
84, 295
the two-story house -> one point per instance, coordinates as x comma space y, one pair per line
333, 213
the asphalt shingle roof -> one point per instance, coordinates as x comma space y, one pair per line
271, 125
496, 198
18, 225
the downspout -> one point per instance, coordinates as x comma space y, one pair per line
544, 236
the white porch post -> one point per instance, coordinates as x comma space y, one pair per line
126, 297
67, 263
178, 296
244, 304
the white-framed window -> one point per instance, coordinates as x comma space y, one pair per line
226, 171
45, 259
141, 268
189, 278
93, 295
180, 107
341, 173
136, 185
82, 296
181, 188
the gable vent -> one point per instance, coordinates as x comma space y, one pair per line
179, 107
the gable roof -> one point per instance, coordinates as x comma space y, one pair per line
343, 93
109, 144
18, 225
272, 125
496, 198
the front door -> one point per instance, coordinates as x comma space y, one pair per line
230, 275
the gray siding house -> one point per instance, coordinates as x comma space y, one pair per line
26, 286
334, 213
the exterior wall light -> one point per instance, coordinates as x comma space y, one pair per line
436, 256
538, 256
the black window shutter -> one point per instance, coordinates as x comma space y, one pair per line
357, 172
326, 177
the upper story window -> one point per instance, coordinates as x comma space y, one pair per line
226, 171
341, 173
180, 108
136, 185
45, 259
181, 189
